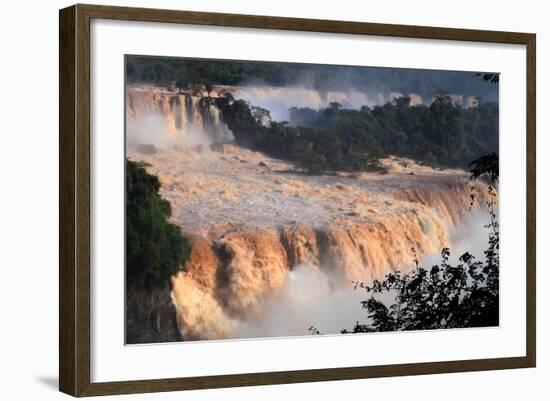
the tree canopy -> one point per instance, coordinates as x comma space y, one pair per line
162, 70
336, 138
447, 295
155, 248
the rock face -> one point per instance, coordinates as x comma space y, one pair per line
250, 226
164, 117
151, 317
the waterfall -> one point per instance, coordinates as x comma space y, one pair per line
162, 118
195, 111
262, 236
212, 122
256, 228
180, 111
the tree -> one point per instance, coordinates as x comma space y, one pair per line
209, 87
323, 78
315, 163
155, 248
354, 140
444, 296
181, 85
493, 78
485, 166
261, 115
237, 114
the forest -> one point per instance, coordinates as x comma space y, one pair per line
454, 293
164, 70
155, 248
335, 138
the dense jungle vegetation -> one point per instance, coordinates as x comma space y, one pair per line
335, 138
443, 296
163, 70
155, 248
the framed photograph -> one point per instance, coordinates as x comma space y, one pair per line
250, 200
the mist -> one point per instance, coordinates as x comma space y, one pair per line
278, 100
307, 298
311, 296
165, 120
244, 190
153, 129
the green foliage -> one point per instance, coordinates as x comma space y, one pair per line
317, 150
238, 116
209, 87
155, 249
337, 138
493, 78
197, 89
441, 134
447, 295
181, 84
162, 70
262, 116
353, 140
485, 166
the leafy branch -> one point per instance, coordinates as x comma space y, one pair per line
447, 295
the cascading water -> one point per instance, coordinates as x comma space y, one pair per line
262, 236
169, 118
250, 236
210, 117
280, 99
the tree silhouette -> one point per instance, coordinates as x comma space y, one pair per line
493, 78
447, 295
485, 165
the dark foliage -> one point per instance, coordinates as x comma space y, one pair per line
155, 249
447, 295
336, 138
490, 77
163, 70
316, 149
485, 165
441, 134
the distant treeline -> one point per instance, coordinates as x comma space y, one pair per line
163, 70
335, 138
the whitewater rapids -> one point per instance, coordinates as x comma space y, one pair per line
275, 250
